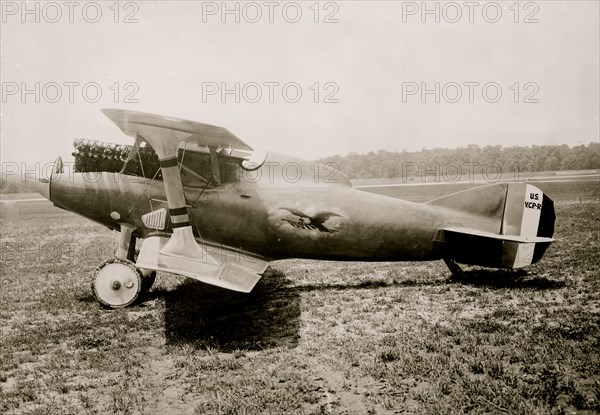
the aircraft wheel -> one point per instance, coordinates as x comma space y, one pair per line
117, 283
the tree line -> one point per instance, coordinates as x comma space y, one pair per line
386, 164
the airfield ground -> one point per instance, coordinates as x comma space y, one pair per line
312, 338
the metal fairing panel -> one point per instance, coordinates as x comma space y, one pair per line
156, 219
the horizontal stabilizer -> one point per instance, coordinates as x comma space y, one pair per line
511, 238
470, 246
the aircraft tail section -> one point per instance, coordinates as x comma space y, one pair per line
522, 217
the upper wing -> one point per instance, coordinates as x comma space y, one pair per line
136, 123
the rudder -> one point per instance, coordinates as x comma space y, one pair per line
528, 213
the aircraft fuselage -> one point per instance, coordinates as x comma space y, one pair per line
273, 218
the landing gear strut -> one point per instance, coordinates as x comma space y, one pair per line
117, 282
147, 280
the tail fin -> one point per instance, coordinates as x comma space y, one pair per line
525, 218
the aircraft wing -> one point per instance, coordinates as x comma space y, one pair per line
134, 123
220, 266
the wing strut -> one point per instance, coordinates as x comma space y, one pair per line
182, 243
215, 165
165, 141
135, 149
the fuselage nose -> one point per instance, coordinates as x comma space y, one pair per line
43, 185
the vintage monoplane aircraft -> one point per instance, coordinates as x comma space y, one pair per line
219, 219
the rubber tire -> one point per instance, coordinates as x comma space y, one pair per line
136, 272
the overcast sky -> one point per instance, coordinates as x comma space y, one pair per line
365, 63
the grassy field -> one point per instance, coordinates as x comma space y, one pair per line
312, 338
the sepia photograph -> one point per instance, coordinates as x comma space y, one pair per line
300, 207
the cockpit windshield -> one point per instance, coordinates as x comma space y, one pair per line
255, 159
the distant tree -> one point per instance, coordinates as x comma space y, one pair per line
552, 163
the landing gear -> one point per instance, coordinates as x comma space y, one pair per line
117, 283
458, 274
147, 280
